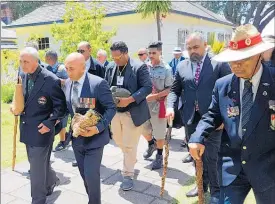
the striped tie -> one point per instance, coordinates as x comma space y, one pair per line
75, 101
247, 103
197, 74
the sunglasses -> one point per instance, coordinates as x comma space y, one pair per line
152, 53
141, 54
81, 51
117, 58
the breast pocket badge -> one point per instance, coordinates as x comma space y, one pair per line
87, 103
272, 114
42, 100
233, 111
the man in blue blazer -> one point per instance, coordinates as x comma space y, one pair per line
133, 111
84, 91
194, 82
45, 106
245, 103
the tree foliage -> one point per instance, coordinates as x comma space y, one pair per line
258, 13
82, 24
155, 8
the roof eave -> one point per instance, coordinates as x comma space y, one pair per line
119, 14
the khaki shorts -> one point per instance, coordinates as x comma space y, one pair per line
147, 128
155, 126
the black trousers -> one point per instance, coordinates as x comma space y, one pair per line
210, 156
42, 176
88, 162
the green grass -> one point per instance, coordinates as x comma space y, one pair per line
180, 197
7, 125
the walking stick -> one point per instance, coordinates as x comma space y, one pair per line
199, 179
17, 108
166, 148
14, 141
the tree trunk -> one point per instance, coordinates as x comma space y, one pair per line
158, 25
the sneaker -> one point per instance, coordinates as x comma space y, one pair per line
127, 183
60, 147
158, 162
150, 150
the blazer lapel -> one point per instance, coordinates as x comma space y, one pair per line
234, 99
128, 73
189, 73
113, 74
36, 88
260, 104
205, 68
85, 91
68, 93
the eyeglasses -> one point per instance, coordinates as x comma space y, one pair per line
141, 54
117, 58
81, 51
152, 53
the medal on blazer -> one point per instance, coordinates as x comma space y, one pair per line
233, 111
272, 114
87, 103
42, 100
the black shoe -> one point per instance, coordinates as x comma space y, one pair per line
158, 162
183, 144
50, 191
150, 150
194, 192
60, 146
187, 159
74, 163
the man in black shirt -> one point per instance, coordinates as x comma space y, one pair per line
133, 111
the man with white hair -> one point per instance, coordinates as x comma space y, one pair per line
45, 106
102, 58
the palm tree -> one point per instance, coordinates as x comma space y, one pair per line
155, 8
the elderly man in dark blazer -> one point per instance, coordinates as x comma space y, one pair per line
84, 91
194, 81
245, 103
133, 111
45, 106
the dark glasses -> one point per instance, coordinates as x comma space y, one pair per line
81, 51
141, 54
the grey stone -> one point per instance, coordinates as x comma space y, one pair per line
70, 197
24, 193
6, 198
115, 195
159, 201
11, 182
20, 201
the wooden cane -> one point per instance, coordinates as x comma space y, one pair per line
199, 179
166, 149
14, 141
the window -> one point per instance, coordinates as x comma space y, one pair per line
182, 35
43, 43
221, 37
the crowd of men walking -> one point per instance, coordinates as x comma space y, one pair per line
227, 110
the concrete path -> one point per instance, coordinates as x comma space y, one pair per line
15, 186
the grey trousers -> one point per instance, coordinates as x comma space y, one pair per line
42, 176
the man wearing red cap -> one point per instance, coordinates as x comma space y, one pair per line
245, 103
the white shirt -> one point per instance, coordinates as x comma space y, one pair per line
195, 65
88, 64
81, 82
255, 84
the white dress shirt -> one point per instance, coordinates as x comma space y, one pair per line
255, 84
88, 64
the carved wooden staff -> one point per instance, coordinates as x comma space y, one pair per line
17, 108
166, 149
199, 179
